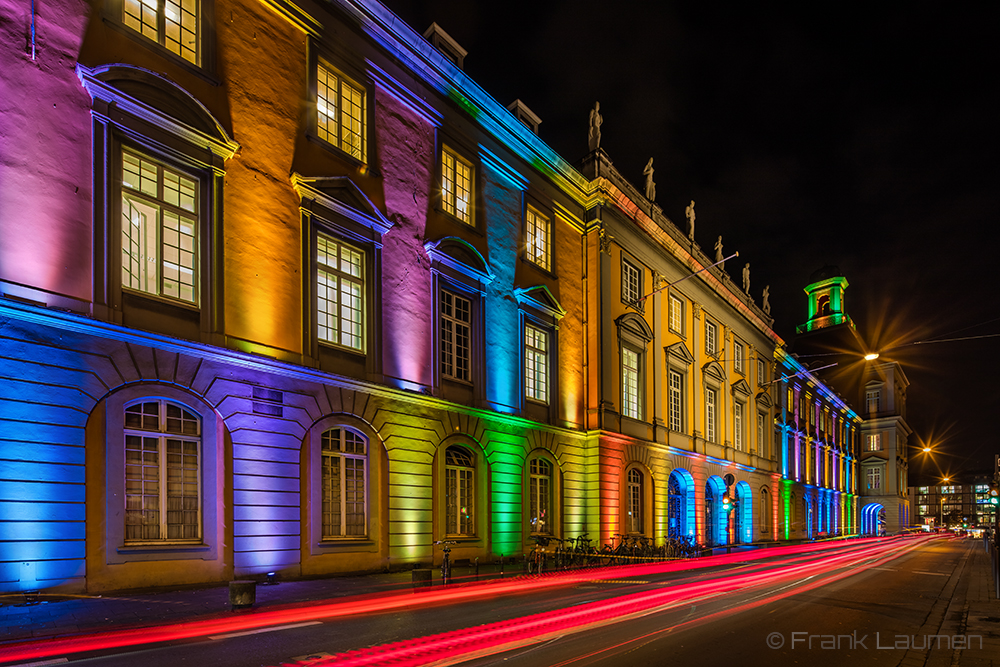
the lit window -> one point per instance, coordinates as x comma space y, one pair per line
761, 372
631, 283
340, 290
460, 473
711, 337
761, 434
738, 356
170, 23
159, 229
635, 501
872, 399
537, 241
676, 317
456, 185
456, 336
738, 426
874, 479
162, 473
345, 479
710, 415
676, 382
340, 113
536, 364
541, 496
630, 384
873, 442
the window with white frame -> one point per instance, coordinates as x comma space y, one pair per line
873, 442
676, 316
738, 426
761, 434
636, 498
540, 503
341, 112
874, 479
676, 404
340, 293
536, 363
456, 336
631, 404
160, 212
761, 372
631, 283
738, 351
162, 473
873, 398
710, 407
173, 24
456, 185
537, 243
345, 483
460, 475
711, 337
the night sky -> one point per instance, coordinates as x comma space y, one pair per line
862, 136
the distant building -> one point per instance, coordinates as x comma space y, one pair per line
961, 502
875, 388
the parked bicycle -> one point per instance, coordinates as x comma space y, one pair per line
546, 549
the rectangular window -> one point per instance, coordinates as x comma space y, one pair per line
173, 24
676, 317
340, 293
872, 400
874, 479
738, 352
761, 372
676, 382
873, 442
345, 456
631, 283
456, 185
341, 113
710, 415
159, 229
536, 242
630, 384
456, 336
738, 426
711, 337
536, 364
761, 434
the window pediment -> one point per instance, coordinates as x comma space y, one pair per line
741, 387
460, 256
157, 100
539, 298
714, 370
630, 323
764, 400
679, 352
339, 196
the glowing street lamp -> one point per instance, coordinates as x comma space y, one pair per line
871, 356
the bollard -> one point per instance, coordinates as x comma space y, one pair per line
422, 578
477, 568
501, 566
242, 594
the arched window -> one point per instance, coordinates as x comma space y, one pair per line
765, 512
460, 475
541, 496
345, 483
636, 499
162, 473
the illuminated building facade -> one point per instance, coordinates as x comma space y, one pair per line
284, 290
961, 502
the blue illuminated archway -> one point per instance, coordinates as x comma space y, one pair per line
716, 521
680, 504
744, 514
873, 520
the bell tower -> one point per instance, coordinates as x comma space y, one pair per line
826, 300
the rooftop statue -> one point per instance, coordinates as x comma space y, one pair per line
594, 137
718, 253
689, 213
767, 303
650, 185
746, 278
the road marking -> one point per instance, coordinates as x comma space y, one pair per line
936, 574
42, 663
884, 569
260, 630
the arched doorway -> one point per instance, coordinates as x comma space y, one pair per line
744, 514
873, 520
680, 504
716, 521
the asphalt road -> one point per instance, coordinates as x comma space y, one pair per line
782, 606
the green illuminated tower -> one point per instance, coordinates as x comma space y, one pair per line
826, 300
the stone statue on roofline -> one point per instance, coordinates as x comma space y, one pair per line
746, 278
767, 303
718, 253
689, 214
594, 136
650, 185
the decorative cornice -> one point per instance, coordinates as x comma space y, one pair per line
306, 188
